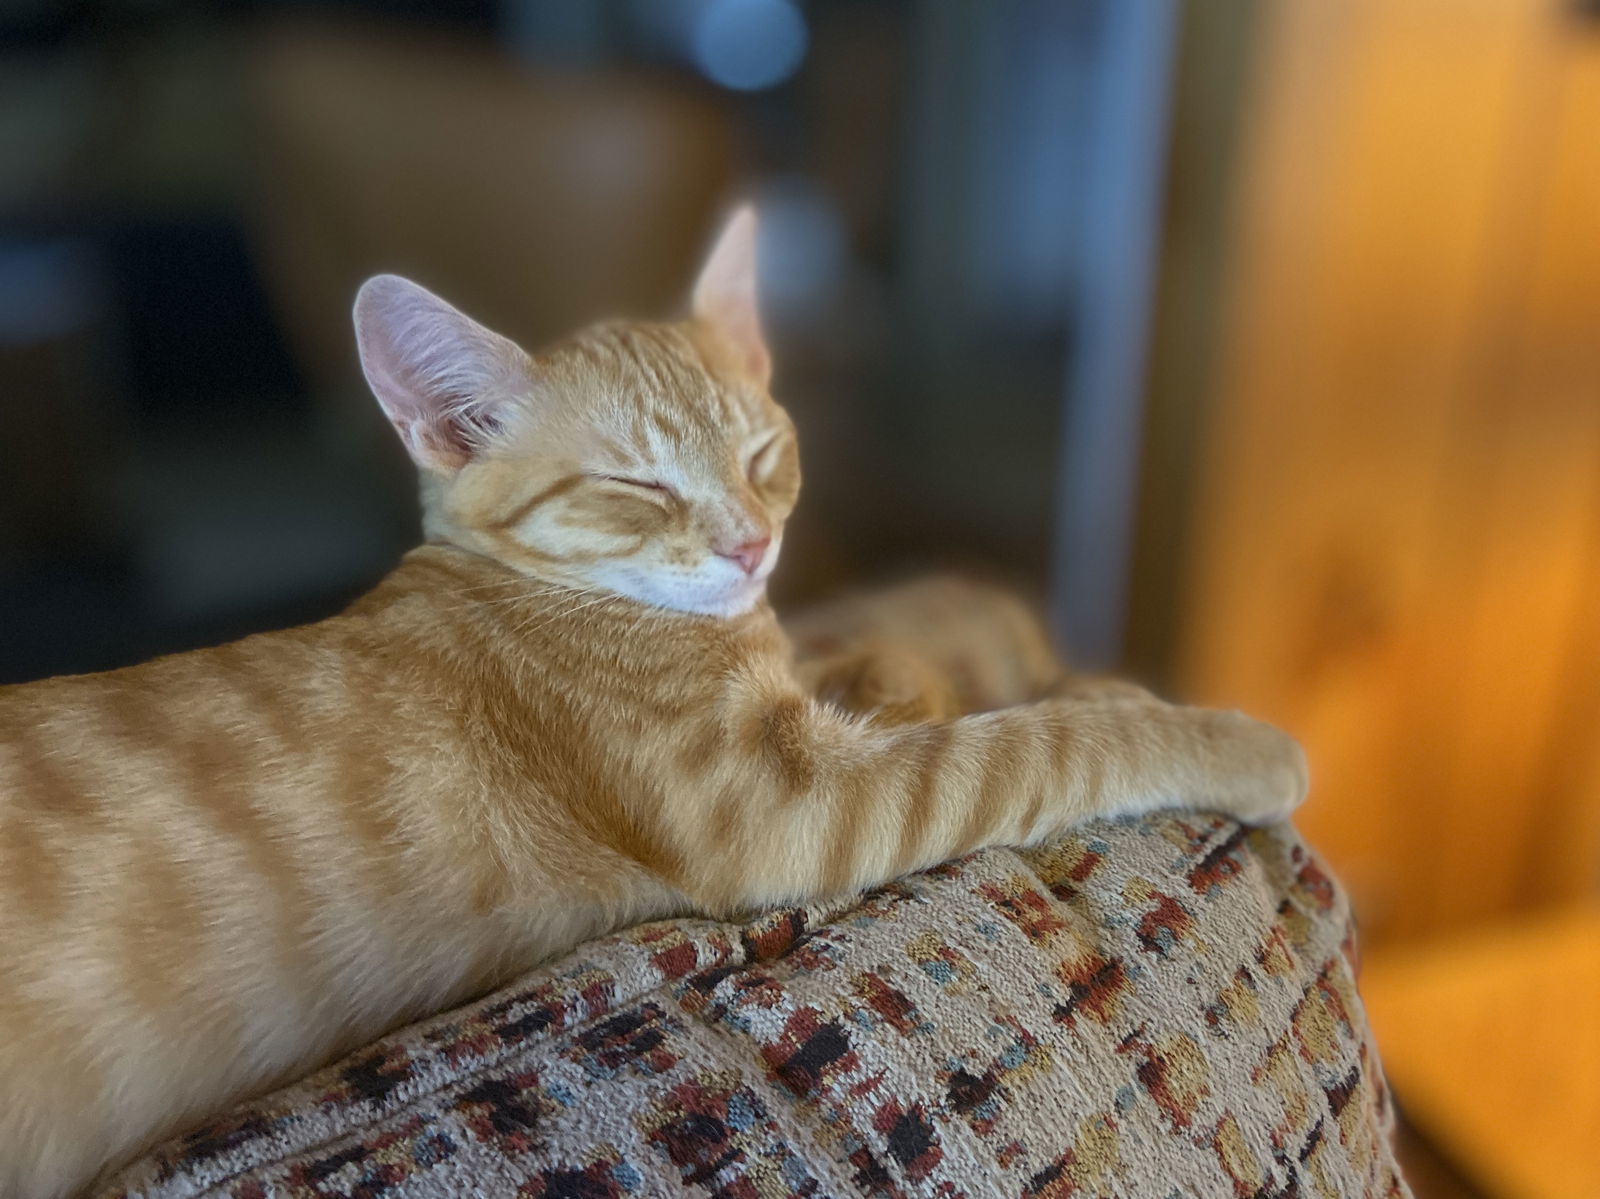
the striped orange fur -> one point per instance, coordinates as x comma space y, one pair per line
570, 709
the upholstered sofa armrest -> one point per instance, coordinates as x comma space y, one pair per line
1148, 1008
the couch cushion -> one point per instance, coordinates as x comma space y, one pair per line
1159, 1007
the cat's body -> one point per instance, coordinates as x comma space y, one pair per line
221, 866
572, 711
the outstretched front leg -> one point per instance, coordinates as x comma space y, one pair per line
798, 801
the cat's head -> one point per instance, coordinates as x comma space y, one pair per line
642, 459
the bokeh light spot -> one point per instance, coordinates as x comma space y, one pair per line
749, 45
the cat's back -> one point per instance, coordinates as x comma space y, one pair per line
220, 868
277, 697
70, 744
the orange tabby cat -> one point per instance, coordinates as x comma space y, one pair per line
569, 710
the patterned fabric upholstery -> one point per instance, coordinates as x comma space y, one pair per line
1151, 1008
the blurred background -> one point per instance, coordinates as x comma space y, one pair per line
1260, 338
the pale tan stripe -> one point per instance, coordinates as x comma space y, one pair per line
1078, 772
251, 680
998, 768
1040, 786
222, 781
857, 792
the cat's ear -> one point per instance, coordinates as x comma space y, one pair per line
725, 295
446, 383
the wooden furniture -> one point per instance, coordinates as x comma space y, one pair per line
537, 201
1492, 1041
1395, 531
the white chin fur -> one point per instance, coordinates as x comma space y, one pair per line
708, 592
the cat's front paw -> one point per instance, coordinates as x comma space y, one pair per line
1260, 772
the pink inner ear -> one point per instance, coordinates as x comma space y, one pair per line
435, 443
438, 374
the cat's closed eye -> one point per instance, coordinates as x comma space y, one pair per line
654, 485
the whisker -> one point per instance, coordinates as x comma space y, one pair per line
570, 611
519, 581
560, 608
530, 590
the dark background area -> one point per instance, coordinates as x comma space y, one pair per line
192, 191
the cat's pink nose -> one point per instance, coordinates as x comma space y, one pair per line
748, 555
